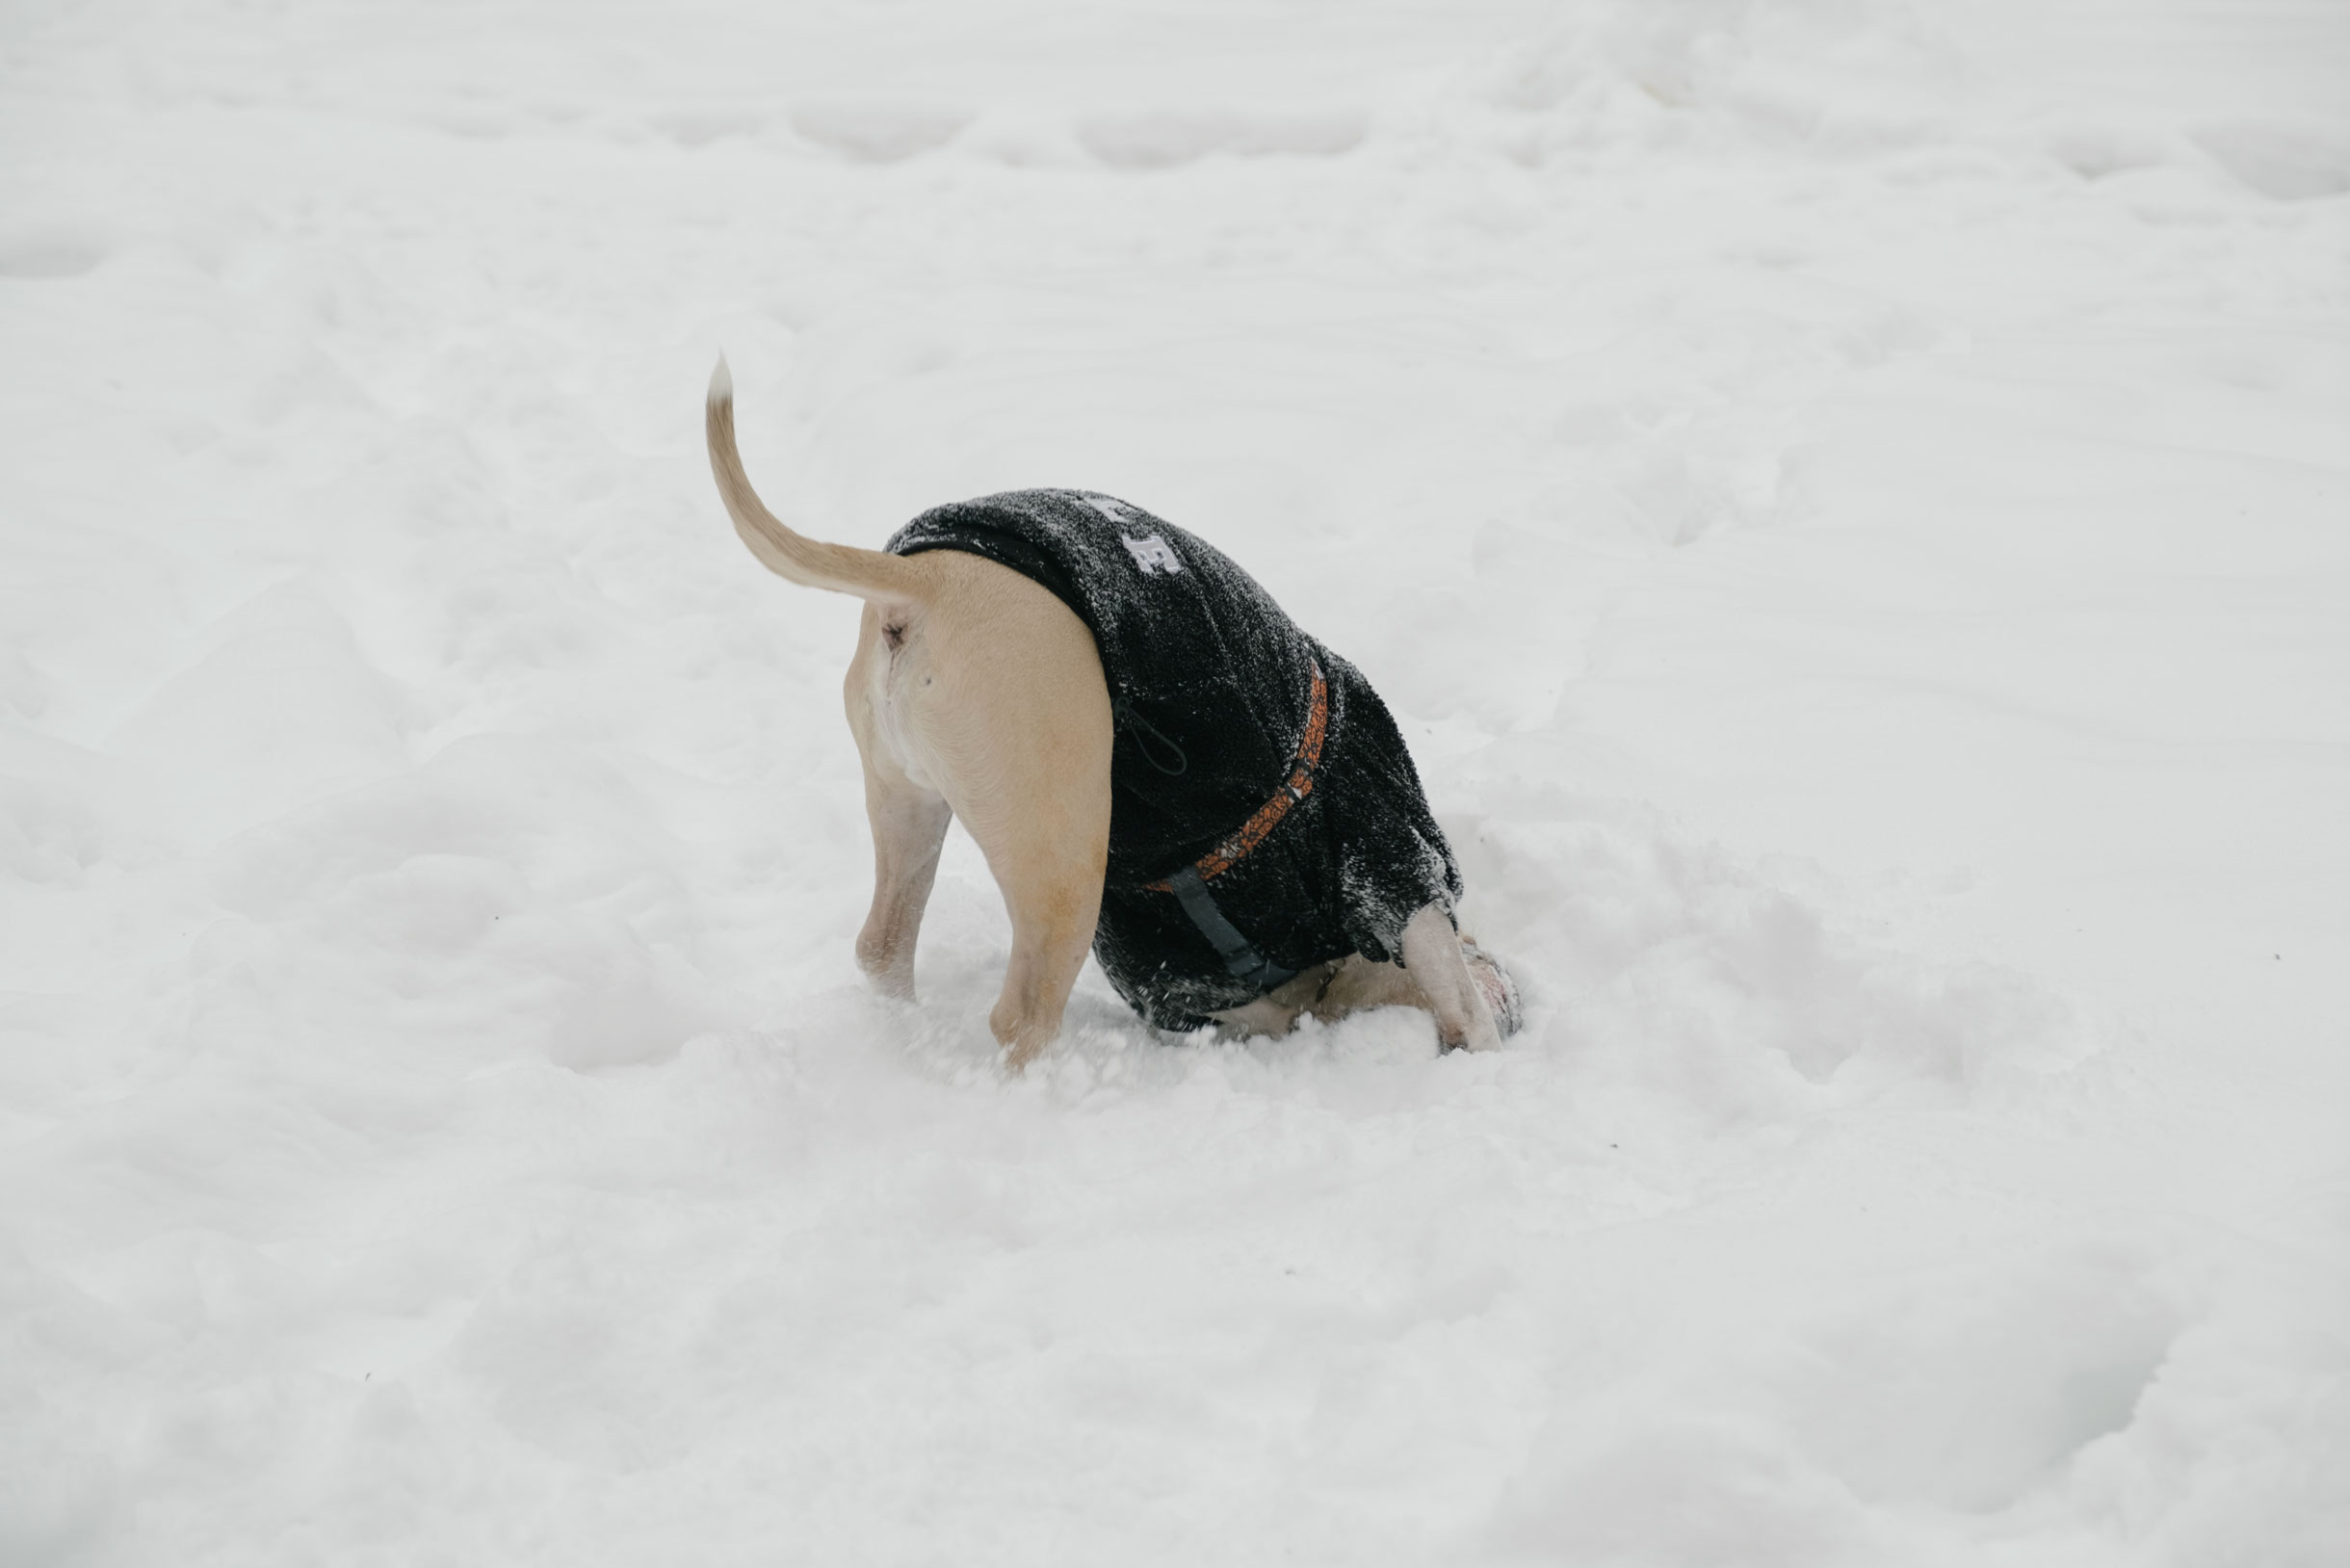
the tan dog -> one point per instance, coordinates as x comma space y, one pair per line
977, 694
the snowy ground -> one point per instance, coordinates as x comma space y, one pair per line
1850, 500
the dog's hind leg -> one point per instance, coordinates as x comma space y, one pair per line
909, 824
999, 695
1050, 764
1053, 918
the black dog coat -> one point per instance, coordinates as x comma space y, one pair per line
1213, 688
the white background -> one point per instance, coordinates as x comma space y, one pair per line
1849, 499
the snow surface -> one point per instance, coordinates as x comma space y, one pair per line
1848, 499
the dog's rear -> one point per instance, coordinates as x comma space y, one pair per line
974, 694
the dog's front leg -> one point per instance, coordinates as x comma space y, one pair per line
1432, 956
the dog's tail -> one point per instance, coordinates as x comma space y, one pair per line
844, 568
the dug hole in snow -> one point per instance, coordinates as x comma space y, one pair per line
1844, 497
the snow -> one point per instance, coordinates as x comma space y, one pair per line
1846, 499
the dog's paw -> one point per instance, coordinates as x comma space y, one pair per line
1499, 990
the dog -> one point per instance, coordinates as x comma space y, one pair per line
1158, 766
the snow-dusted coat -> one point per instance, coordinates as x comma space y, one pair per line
1211, 683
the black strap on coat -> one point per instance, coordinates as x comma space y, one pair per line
1123, 716
1244, 961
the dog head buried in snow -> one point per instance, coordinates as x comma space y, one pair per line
1159, 765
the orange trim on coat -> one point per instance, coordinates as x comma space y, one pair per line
1295, 788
